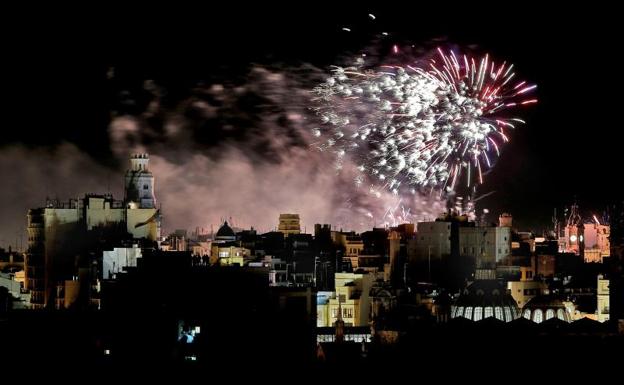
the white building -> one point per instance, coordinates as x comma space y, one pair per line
114, 261
55, 230
433, 239
488, 243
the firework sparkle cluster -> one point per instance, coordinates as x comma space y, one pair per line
423, 127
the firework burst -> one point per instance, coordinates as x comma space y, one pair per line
419, 127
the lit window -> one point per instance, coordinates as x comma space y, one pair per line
459, 311
508, 316
561, 314
489, 312
550, 313
527, 314
478, 313
468, 313
538, 316
498, 313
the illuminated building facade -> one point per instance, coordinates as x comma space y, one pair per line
491, 244
602, 310
228, 255
289, 224
526, 288
61, 231
351, 298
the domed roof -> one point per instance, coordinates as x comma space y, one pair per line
544, 301
544, 307
483, 299
225, 231
485, 293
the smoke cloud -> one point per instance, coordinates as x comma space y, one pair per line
242, 149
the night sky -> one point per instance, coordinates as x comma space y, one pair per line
56, 87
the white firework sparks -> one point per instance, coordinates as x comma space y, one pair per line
410, 128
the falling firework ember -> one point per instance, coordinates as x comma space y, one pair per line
415, 128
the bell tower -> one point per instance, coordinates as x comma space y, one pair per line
139, 183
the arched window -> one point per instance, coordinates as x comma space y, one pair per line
498, 313
538, 316
508, 316
489, 312
527, 314
478, 313
468, 312
550, 313
561, 314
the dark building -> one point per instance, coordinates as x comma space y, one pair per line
616, 266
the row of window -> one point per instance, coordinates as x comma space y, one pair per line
346, 312
537, 315
479, 313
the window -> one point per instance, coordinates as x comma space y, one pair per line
460, 311
550, 313
347, 312
561, 314
538, 316
498, 313
468, 313
499, 250
508, 316
145, 187
489, 312
527, 314
478, 313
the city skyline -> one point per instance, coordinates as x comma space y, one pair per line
153, 85
328, 190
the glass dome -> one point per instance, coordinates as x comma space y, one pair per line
483, 299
